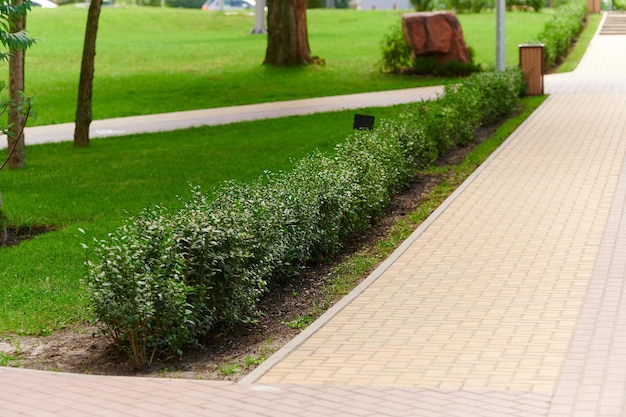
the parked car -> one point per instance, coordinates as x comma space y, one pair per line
46, 4
229, 5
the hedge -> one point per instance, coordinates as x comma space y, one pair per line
165, 279
559, 33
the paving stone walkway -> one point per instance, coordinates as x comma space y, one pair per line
507, 301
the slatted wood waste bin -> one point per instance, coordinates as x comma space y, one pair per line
531, 62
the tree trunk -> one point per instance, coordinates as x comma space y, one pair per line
85, 86
16, 120
287, 40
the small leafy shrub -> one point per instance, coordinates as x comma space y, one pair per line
396, 51
167, 279
559, 33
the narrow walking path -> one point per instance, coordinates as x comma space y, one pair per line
224, 115
507, 301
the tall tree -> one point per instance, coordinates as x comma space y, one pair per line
85, 86
287, 40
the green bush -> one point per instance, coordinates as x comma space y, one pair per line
165, 280
559, 33
396, 51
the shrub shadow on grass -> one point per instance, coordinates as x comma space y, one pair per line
18, 234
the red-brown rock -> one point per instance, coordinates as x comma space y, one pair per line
435, 34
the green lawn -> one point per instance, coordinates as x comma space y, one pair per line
152, 60
149, 62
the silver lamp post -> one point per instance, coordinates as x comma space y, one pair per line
500, 55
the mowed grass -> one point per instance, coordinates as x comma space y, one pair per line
153, 60
148, 62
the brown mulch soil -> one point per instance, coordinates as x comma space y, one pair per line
232, 353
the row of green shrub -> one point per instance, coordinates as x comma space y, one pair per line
559, 33
166, 279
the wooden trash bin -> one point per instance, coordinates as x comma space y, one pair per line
531, 62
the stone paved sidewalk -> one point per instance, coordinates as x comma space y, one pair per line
507, 301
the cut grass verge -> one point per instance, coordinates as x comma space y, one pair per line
580, 46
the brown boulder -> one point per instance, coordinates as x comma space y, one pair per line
435, 34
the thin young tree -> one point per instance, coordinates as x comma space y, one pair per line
85, 86
17, 121
287, 40
15, 39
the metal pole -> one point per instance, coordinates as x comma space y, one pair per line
500, 54
259, 17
